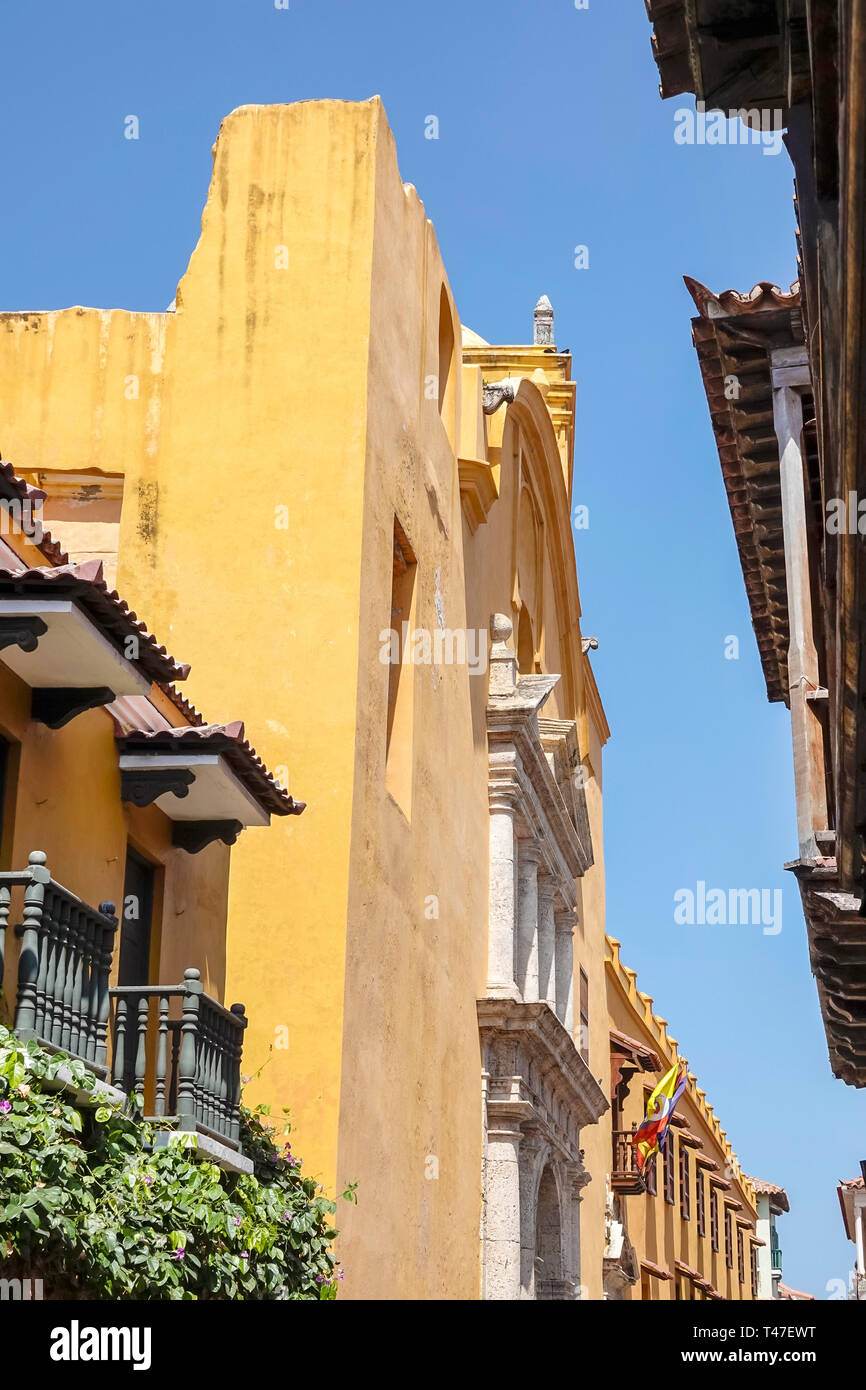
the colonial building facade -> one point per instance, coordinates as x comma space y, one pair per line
376, 503
687, 1227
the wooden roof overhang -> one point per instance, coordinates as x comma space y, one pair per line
734, 335
764, 55
207, 779
731, 53
74, 642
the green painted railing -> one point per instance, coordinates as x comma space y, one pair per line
775, 1258
171, 1044
176, 1046
63, 964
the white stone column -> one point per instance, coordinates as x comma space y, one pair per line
502, 1206
858, 1230
527, 920
565, 968
502, 904
546, 940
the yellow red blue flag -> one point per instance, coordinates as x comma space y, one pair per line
649, 1136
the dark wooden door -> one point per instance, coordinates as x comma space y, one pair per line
134, 965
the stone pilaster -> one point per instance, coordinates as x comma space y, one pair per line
526, 963
565, 969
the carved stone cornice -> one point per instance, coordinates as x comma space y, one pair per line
530, 1057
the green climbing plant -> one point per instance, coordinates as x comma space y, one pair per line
91, 1204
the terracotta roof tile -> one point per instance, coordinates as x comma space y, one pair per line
769, 1189
13, 487
227, 740
107, 610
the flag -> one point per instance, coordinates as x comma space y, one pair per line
650, 1135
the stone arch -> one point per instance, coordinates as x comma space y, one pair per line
548, 1237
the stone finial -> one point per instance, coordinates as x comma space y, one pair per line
543, 336
503, 662
589, 644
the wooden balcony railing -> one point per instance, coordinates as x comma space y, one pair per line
187, 1066
625, 1177
172, 1044
63, 964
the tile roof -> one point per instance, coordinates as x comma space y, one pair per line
733, 336
115, 619
228, 741
14, 488
794, 1295
644, 1057
770, 1189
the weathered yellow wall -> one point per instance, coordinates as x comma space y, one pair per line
656, 1228
239, 423
410, 1114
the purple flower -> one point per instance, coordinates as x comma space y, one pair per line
339, 1274
237, 1220
179, 1252
320, 1278
5, 1107
245, 1254
148, 1181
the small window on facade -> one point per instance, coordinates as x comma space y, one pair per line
685, 1181
584, 1015
714, 1218
700, 1196
741, 1260
753, 1263
729, 1239
651, 1183
668, 1168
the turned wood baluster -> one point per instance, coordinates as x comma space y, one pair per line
51, 947
235, 1072
28, 959
161, 1056
77, 936
141, 1048
61, 965
105, 945
118, 1061
189, 1046
5, 905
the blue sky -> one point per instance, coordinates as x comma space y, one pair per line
551, 135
